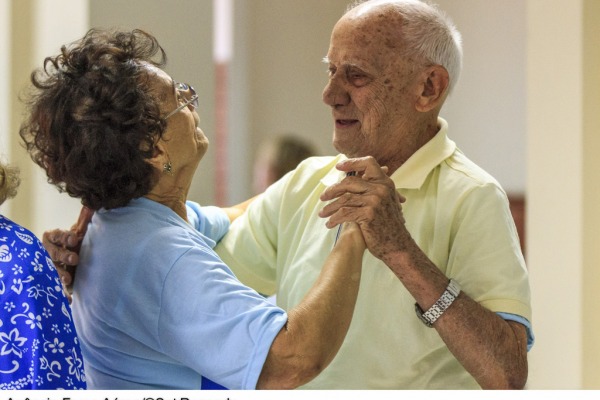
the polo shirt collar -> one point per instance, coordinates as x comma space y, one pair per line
412, 174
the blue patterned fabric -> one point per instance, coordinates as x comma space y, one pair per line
207, 384
38, 344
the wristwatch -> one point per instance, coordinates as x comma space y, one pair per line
430, 316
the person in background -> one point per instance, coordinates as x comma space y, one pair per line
154, 305
39, 348
276, 157
445, 299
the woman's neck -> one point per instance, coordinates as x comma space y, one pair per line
174, 198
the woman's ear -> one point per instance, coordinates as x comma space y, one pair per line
160, 157
434, 86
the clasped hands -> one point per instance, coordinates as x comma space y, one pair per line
371, 200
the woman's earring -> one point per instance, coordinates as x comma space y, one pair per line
168, 168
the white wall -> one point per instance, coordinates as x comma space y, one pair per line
487, 112
554, 237
563, 192
37, 29
184, 29
4, 87
284, 44
55, 23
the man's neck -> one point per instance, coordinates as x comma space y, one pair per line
427, 132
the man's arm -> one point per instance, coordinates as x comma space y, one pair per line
491, 349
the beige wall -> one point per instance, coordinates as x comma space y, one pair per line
36, 28
563, 192
283, 44
4, 81
184, 29
591, 198
487, 112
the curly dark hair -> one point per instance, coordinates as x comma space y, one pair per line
93, 119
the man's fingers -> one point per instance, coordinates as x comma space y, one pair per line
59, 238
342, 215
341, 198
401, 198
374, 172
56, 242
85, 216
367, 167
65, 276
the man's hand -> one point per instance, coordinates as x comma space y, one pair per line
63, 247
371, 200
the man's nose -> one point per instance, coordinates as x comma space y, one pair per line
334, 94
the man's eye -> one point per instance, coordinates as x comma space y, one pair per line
355, 73
358, 79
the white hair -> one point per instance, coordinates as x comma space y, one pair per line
428, 33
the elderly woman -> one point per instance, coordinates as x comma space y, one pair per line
154, 306
38, 343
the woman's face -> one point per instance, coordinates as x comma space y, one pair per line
183, 139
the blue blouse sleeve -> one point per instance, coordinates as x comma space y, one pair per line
210, 221
214, 324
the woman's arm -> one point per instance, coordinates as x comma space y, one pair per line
235, 211
318, 325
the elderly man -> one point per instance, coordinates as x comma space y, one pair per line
444, 299
391, 66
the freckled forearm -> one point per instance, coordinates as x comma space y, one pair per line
491, 349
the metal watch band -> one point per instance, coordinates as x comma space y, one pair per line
446, 299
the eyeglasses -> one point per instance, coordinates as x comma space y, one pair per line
192, 101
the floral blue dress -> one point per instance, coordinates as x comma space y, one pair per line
38, 343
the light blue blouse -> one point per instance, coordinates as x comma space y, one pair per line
156, 308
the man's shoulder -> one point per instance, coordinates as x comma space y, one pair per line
462, 169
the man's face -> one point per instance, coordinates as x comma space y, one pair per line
372, 89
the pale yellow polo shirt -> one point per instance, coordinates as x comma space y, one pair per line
459, 216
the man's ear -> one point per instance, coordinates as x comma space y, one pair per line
434, 85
